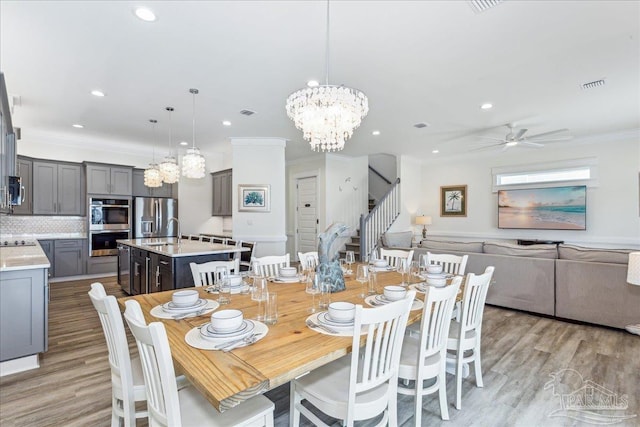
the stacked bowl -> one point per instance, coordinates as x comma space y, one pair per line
435, 276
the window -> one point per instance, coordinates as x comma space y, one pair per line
578, 171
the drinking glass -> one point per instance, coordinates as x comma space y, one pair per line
403, 267
325, 293
423, 264
224, 285
350, 258
362, 276
259, 294
414, 274
373, 283
271, 308
312, 289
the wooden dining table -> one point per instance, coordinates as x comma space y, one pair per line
289, 349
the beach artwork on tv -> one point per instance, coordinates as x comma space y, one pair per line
555, 208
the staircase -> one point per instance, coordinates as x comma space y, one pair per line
353, 245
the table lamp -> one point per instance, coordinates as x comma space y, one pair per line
423, 220
633, 278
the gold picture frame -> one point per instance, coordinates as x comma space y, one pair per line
453, 200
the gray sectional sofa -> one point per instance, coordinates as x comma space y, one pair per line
565, 281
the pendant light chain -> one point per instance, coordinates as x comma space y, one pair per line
169, 168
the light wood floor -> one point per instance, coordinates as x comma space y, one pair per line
72, 386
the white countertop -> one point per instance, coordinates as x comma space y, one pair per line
169, 247
42, 236
23, 258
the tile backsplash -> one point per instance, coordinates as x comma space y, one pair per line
16, 224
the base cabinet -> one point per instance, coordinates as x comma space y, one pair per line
24, 302
68, 257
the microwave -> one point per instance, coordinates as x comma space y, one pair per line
109, 214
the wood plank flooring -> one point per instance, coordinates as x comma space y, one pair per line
520, 351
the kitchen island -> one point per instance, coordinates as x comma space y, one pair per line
162, 264
24, 302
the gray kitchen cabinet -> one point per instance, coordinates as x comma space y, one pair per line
141, 190
7, 147
57, 188
69, 257
47, 247
24, 169
109, 179
139, 271
222, 193
160, 273
24, 301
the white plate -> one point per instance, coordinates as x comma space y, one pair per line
382, 269
286, 279
170, 307
195, 339
378, 300
208, 333
323, 317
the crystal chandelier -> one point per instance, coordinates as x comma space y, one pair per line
152, 176
327, 115
193, 165
169, 169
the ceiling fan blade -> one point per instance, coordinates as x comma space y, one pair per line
530, 144
560, 138
505, 148
553, 132
492, 138
520, 133
486, 147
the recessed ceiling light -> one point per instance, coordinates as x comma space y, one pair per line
98, 93
226, 122
375, 133
78, 126
145, 14
313, 83
184, 143
435, 151
511, 143
486, 106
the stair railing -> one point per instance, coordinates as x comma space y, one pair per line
376, 222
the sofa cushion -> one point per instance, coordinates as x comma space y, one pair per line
580, 253
442, 245
397, 240
534, 251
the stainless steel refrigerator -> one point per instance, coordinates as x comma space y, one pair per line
151, 217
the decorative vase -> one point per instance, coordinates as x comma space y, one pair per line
328, 265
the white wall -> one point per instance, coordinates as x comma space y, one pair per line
411, 190
612, 208
347, 190
387, 165
261, 161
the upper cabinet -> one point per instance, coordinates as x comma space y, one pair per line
57, 188
7, 148
222, 195
141, 190
109, 179
24, 169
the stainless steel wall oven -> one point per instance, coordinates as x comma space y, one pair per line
110, 220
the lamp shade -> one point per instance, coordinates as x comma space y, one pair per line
423, 220
633, 269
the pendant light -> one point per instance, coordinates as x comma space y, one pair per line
193, 165
327, 114
152, 176
169, 169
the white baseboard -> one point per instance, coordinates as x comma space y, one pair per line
19, 365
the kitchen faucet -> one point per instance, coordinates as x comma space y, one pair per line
173, 218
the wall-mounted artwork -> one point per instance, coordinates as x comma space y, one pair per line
254, 198
453, 200
554, 208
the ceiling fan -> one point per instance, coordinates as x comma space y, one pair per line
518, 137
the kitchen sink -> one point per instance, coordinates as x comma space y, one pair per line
158, 244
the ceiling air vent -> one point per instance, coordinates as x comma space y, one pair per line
247, 112
421, 125
482, 5
593, 84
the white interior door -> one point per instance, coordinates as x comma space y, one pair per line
306, 214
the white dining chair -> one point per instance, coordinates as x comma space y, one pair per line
424, 357
452, 264
393, 255
127, 382
308, 259
205, 274
268, 266
169, 406
361, 385
465, 335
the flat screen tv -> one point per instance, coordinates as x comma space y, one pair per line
552, 208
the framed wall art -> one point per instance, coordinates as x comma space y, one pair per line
254, 198
453, 200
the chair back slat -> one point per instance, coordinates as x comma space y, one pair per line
308, 259
436, 318
268, 266
393, 255
452, 264
157, 368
